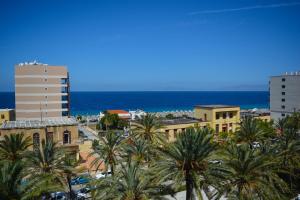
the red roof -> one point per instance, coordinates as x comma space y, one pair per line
117, 112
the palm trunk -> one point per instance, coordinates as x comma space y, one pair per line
71, 194
188, 186
112, 169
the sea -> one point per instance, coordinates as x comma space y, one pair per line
91, 103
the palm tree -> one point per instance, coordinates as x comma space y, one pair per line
131, 183
249, 131
188, 160
14, 147
148, 128
11, 174
46, 166
250, 174
107, 151
138, 150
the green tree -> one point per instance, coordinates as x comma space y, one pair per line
131, 183
187, 161
107, 151
14, 147
148, 128
46, 166
11, 174
138, 150
249, 174
170, 116
249, 131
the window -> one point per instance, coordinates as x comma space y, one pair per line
167, 134
283, 86
283, 79
36, 141
183, 129
45, 70
282, 115
217, 128
2, 116
283, 100
46, 88
224, 116
205, 117
230, 115
283, 106
283, 93
67, 138
46, 97
175, 133
65, 113
45, 80
49, 136
217, 116
230, 124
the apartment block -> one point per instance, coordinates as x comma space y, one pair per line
222, 118
41, 91
284, 95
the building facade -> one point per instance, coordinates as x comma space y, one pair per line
284, 95
7, 115
221, 118
41, 91
63, 131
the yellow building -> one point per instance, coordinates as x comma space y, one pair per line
221, 118
7, 115
63, 131
172, 127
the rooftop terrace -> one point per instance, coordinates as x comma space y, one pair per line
212, 106
21, 124
179, 121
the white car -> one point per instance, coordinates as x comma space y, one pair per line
83, 193
103, 174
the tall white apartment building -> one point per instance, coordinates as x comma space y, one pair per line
284, 95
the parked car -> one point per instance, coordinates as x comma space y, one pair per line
79, 180
83, 193
58, 196
103, 174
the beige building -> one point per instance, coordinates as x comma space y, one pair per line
172, 127
41, 91
7, 115
63, 131
221, 118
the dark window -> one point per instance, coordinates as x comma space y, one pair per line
231, 115
224, 115
46, 88
217, 116
49, 136
283, 86
205, 117
217, 128
45, 80
283, 93
67, 137
183, 129
230, 124
283, 100
282, 115
2, 116
283, 79
283, 106
65, 113
36, 141
46, 97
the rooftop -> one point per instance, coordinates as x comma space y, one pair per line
216, 106
117, 112
179, 121
31, 63
21, 124
6, 109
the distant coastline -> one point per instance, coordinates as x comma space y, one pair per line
91, 103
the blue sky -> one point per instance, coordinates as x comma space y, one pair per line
153, 45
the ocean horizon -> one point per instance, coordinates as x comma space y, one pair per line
91, 103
